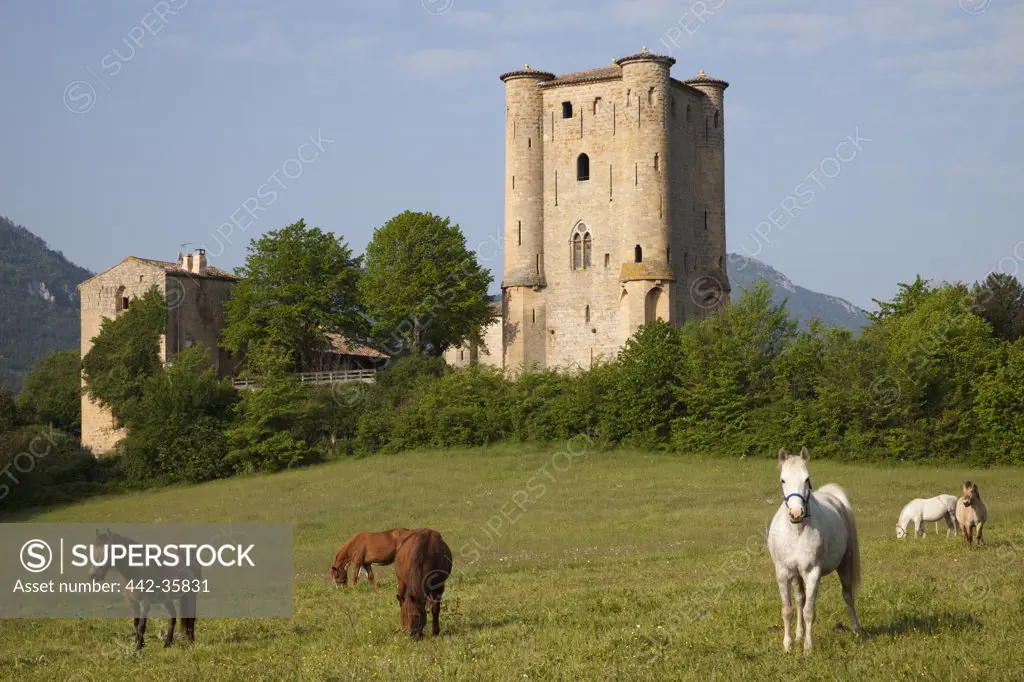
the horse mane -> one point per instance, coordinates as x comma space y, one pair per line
414, 577
905, 515
341, 558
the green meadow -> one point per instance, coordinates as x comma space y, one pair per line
571, 564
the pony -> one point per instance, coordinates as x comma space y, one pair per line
139, 601
364, 549
422, 566
812, 535
932, 509
971, 513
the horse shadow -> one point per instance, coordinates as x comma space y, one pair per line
943, 622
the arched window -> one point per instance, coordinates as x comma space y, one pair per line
650, 96
587, 314
689, 111
582, 167
716, 119
655, 162
638, 254
121, 301
672, 107
582, 247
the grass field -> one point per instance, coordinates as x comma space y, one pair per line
604, 565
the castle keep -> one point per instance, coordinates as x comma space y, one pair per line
614, 207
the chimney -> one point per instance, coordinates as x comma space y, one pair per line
199, 262
185, 261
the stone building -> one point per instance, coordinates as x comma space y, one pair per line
614, 207
195, 293
472, 353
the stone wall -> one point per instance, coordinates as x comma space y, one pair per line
101, 297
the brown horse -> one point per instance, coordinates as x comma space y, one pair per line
364, 549
422, 566
971, 513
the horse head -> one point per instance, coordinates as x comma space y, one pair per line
796, 484
99, 570
971, 493
414, 616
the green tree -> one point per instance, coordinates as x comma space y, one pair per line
271, 427
300, 284
176, 428
999, 300
647, 394
908, 297
999, 407
52, 393
10, 413
126, 353
728, 368
423, 289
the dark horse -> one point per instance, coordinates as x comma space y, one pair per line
422, 566
151, 578
364, 549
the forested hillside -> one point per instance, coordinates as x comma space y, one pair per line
38, 301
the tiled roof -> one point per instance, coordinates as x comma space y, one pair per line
703, 79
170, 268
175, 268
526, 72
644, 55
342, 346
601, 73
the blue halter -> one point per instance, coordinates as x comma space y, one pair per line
806, 499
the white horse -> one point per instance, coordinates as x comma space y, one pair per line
933, 509
812, 534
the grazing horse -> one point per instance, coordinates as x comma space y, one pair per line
364, 549
423, 565
971, 513
941, 507
151, 578
812, 535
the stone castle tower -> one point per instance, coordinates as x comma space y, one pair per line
614, 207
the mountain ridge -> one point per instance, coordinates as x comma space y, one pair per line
802, 303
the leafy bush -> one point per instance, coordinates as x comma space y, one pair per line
40, 465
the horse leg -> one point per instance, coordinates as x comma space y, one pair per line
169, 639
811, 583
435, 613
981, 540
369, 574
357, 564
140, 627
787, 611
798, 592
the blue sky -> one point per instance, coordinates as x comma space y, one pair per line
131, 127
